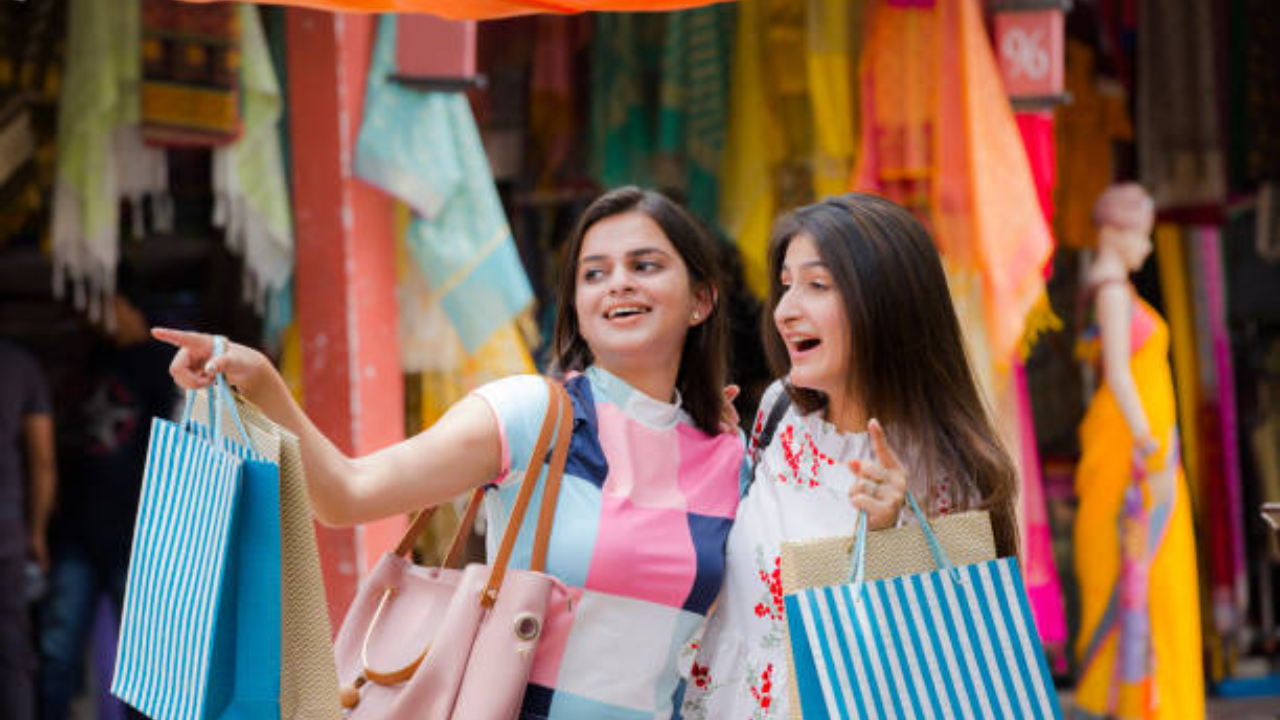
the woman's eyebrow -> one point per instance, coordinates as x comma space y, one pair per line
639, 252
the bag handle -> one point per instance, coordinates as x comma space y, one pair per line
558, 420
858, 571
219, 393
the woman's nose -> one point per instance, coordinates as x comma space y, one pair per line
786, 309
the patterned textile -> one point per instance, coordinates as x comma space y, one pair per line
1087, 128
101, 156
947, 147
645, 506
425, 149
1223, 509
798, 493
1181, 156
1127, 536
489, 9
626, 56
190, 73
833, 30
693, 96
768, 157
250, 182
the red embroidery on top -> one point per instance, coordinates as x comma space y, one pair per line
701, 675
763, 693
776, 608
801, 455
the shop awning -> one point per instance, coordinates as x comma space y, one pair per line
489, 9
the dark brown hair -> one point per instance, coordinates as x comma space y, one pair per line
703, 369
907, 361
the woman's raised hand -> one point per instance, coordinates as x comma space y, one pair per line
195, 367
729, 413
881, 489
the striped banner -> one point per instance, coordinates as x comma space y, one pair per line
176, 564
958, 643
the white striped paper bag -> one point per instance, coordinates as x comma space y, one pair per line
189, 491
953, 643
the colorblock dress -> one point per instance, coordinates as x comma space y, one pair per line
639, 536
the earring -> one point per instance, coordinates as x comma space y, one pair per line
697, 316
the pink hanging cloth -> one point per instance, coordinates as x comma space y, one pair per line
1043, 586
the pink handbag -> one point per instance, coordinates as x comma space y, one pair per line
440, 643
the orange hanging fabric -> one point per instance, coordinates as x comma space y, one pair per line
939, 137
489, 9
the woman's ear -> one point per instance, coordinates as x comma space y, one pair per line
704, 303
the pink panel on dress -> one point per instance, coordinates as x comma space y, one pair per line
709, 472
643, 465
666, 559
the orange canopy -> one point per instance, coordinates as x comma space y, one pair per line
488, 9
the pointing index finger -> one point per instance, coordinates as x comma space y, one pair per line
193, 341
880, 443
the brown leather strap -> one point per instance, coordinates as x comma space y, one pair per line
419, 524
453, 557
563, 415
551, 493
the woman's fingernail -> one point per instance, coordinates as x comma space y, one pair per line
209, 367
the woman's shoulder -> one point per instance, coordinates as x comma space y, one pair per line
516, 395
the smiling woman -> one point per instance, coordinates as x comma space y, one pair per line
861, 332
644, 290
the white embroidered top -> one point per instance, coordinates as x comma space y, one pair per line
799, 492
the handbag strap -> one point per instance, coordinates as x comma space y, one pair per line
558, 421
551, 493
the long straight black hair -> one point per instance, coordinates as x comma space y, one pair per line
703, 367
907, 360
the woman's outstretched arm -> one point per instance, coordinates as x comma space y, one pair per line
459, 452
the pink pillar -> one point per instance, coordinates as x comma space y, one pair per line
346, 279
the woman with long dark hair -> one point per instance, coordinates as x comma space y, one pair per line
651, 485
861, 329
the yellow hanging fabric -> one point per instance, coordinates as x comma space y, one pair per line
752, 149
834, 39
1171, 261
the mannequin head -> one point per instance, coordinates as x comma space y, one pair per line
1125, 215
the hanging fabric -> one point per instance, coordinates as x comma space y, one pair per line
754, 182
425, 149
626, 56
1096, 118
554, 91
1171, 262
251, 192
1217, 377
833, 34
693, 104
928, 76
190, 73
1180, 148
490, 9
101, 157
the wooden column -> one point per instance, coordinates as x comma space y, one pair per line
346, 280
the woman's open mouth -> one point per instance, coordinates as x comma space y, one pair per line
624, 313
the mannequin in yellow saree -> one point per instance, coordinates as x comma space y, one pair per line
1139, 646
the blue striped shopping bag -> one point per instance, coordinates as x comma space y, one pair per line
959, 642
200, 627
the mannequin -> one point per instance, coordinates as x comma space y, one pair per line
1139, 650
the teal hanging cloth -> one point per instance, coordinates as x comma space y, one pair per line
626, 58
424, 149
694, 104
